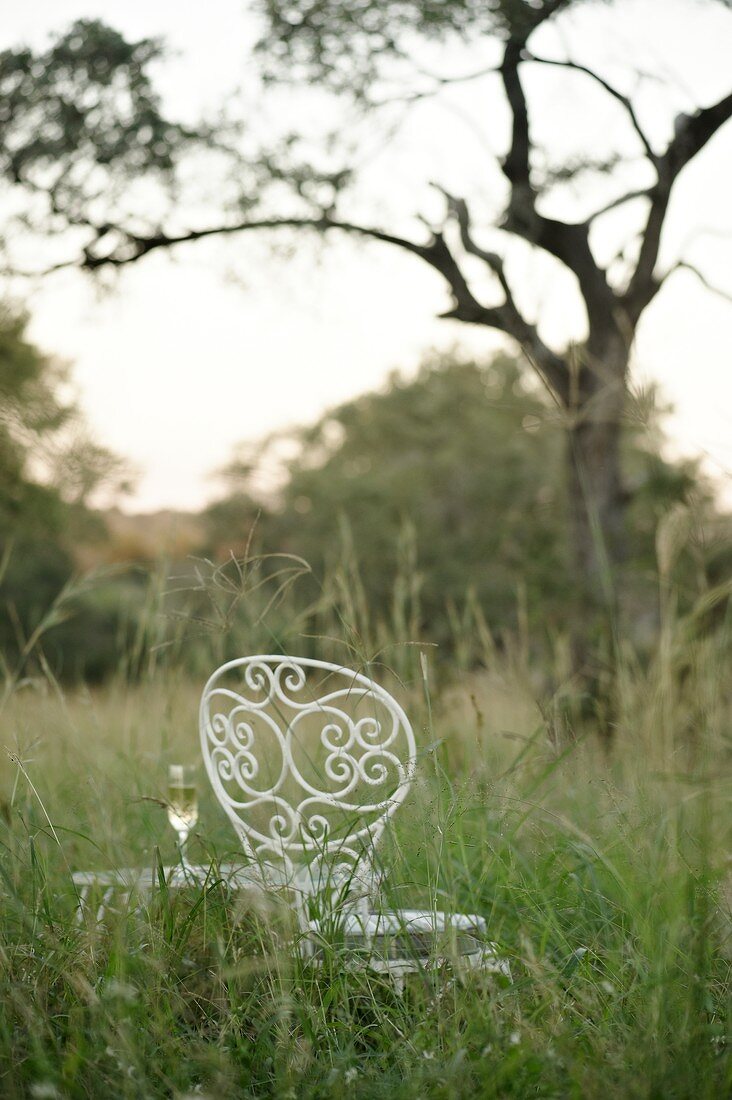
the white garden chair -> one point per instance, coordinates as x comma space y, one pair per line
309, 761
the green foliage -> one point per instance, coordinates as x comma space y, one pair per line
48, 468
116, 119
80, 122
49, 464
346, 43
454, 462
450, 484
31, 414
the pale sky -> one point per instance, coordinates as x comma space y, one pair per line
189, 355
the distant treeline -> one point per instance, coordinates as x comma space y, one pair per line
432, 510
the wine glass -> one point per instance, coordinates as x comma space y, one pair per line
182, 803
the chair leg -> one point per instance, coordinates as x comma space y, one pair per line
81, 904
106, 897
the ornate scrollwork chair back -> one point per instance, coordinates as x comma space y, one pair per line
309, 761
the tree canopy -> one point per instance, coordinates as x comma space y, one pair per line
80, 125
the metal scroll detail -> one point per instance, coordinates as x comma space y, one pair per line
307, 758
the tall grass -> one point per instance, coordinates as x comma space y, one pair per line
606, 882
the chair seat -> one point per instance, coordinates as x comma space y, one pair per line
402, 941
393, 921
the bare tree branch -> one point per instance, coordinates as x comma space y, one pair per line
684, 265
568, 242
619, 96
435, 252
438, 84
459, 209
132, 247
507, 317
691, 134
641, 193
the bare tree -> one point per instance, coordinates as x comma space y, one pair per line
345, 45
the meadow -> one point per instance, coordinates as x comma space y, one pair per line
605, 879
508, 539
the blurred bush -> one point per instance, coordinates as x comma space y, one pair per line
446, 490
49, 468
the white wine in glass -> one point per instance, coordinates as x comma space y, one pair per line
182, 802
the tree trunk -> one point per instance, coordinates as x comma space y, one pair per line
596, 518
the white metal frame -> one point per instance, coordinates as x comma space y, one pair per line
361, 755
256, 704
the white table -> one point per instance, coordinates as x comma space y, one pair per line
118, 886
396, 941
